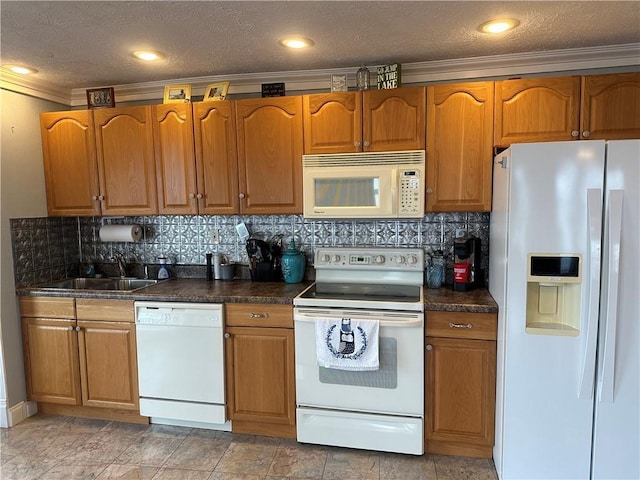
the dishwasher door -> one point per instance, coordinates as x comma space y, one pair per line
181, 361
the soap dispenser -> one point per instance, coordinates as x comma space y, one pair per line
163, 272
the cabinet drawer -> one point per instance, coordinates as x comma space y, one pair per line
108, 310
481, 326
47, 307
258, 315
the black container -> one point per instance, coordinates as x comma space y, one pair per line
264, 260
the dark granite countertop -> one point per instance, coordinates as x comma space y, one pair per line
445, 299
246, 291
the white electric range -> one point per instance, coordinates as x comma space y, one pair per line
381, 409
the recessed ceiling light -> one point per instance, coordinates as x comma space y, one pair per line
297, 42
499, 26
148, 55
20, 69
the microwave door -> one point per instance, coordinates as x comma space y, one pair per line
366, 192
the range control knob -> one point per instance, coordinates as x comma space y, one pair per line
379, 259
336, 258
413, 260
402, 260
324, 258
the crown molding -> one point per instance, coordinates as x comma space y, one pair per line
34, 88
487, 67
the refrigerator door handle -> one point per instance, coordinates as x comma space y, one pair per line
594, 221
610, 320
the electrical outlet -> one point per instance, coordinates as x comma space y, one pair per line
215, 236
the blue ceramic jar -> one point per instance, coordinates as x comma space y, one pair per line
293, 263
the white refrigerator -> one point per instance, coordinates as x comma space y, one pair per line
564, 270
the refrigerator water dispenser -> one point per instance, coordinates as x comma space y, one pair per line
553, 294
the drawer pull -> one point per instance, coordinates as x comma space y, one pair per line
259, 315
459, 325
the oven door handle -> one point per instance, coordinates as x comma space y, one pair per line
399, 323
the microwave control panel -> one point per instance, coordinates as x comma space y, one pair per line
411, 193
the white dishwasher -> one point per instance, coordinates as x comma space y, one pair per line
181, 364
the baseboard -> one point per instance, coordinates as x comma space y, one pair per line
16, 414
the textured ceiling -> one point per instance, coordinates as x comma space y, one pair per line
81, 44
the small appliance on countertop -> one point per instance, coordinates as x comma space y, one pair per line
466, 263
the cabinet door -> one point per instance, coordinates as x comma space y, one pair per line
270, 149
460, 396
70, 168
394, 119
459, 147
216, 157
536, 110
51, 360
260, 379
175, 160
108, 366
124, 142
610, 106
332, 122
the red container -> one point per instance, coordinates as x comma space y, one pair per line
461, 272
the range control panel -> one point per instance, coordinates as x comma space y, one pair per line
380, 258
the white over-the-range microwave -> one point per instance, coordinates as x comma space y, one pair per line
364, 185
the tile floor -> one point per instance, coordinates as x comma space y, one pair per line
53, 447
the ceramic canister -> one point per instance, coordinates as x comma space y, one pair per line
293, 263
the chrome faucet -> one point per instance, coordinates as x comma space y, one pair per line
122, 264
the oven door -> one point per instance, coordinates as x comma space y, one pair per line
396, 388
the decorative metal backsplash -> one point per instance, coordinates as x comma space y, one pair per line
47, 249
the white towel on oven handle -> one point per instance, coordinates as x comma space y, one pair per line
347, 344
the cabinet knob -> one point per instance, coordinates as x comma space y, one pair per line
574, 133
192, 196
101, 197
94, 197
356, 144
226, 335
78, 329
259, 315
586, 134
429, 347
71, 328
429, 190
366, 144
199, 196
242, 195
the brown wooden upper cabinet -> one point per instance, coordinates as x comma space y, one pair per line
70, 167
270, 145
369, 121
126, 166
216, 157
610, 106
99, 162
175, 159
566, 108
459, 147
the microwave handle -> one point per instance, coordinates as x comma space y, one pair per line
394, 192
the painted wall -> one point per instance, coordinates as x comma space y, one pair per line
22, 194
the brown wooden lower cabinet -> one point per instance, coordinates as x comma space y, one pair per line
81, 353
460, 370
260, 369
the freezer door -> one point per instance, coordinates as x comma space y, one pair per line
616, 436
546, 426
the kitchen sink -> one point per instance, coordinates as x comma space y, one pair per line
129, 284
116, 284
